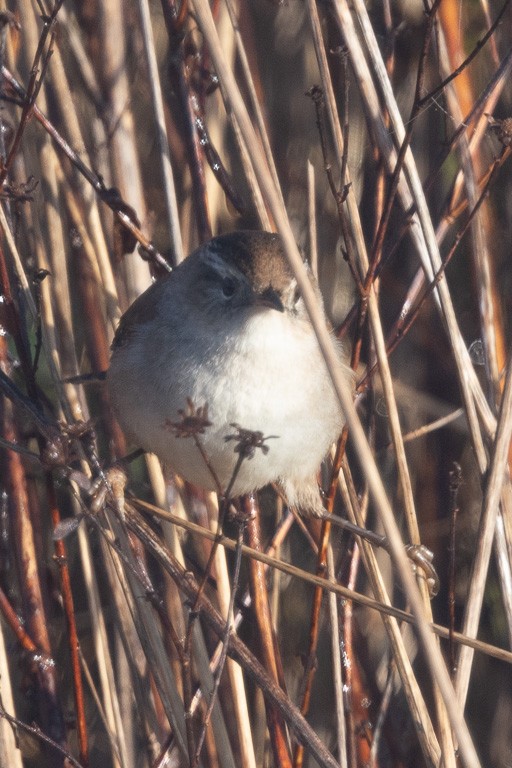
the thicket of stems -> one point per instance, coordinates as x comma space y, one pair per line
160, 630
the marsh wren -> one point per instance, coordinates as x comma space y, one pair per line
228, 329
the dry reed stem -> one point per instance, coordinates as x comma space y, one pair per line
341, 729
337, 588
206, 689
415, 699
411, 192
237, 649
238, 691
254, 102
169, 190
149, 635
486, 533
109, 690
492, 336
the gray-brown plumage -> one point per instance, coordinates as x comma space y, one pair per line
228, 329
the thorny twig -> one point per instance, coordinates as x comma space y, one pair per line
478, 47
38, 734
409, 316
110, 197
181, 48
34, 86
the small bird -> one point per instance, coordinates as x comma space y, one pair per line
226, 339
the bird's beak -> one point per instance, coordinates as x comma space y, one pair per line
270, 298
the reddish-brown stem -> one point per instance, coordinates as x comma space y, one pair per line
268, 648
13, 620
69, 611
314, 629
181, 16
34, 609
456, 72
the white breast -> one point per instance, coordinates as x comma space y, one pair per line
272, 380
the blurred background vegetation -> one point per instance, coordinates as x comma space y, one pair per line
118, 157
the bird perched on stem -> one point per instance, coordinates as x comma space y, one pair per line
225, 342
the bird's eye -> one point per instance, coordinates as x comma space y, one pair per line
228, 287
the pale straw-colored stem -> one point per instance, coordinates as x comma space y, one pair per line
486, 532
169, 191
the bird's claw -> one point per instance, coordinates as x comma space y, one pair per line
109, 485
422, 559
